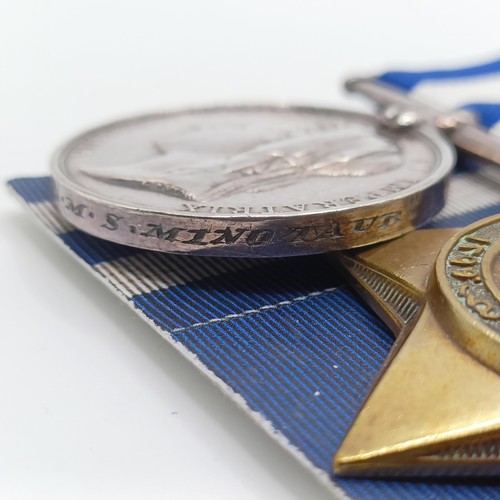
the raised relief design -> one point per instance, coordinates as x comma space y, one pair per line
193, 171
434, 408
473, 282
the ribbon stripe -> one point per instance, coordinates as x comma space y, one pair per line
286, 337
488, 113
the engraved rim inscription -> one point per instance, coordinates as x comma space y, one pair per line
332, 180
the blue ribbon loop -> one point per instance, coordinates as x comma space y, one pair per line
488, 114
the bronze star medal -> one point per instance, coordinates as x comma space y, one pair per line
435, 408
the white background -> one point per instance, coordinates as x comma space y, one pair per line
93, 404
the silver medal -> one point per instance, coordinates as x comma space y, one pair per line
252, 181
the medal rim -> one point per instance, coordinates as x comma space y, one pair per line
443, 165
415, 205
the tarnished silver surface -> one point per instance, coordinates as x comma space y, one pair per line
252, 181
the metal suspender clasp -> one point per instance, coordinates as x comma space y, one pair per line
399, 110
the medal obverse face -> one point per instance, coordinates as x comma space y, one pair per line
251, 181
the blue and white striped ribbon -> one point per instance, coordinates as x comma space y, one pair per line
475, 88
286, 339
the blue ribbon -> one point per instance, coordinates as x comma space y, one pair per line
487, 113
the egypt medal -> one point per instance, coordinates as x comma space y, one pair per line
268, 181
252, 181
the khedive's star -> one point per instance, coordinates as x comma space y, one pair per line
435, 409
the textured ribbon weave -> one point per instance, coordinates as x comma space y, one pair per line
285, 335
286, 338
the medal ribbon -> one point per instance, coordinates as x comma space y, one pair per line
285, 338
473, 88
